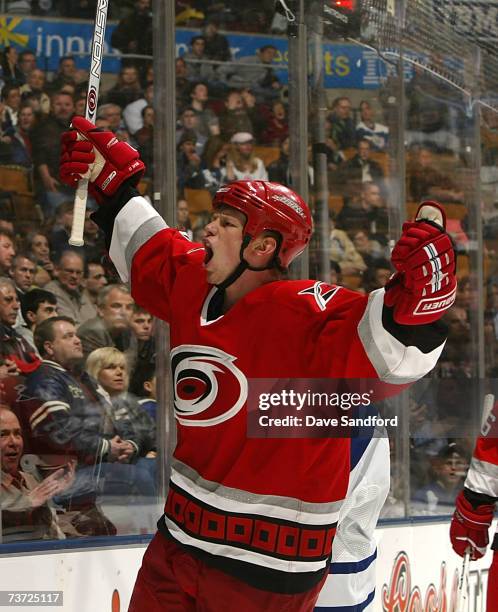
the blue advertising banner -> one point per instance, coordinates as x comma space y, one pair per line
345, 65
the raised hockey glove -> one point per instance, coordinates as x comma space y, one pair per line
424, 285
469, 527
96, 154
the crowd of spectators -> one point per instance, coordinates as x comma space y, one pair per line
77, 355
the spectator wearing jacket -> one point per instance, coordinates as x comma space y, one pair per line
111, 325
72, 298
16, 354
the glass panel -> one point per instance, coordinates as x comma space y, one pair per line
78, 385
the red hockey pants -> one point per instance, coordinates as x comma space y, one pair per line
172, 580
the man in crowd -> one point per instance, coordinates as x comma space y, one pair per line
23, 274
37, 305
95, 280
244, 522
7, 251
16, 355
23, 498
64, 413
72, 298
111, 325
46, 151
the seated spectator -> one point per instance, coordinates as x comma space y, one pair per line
113, 114
199, 67
278, 170
133, 113
181, 81
255, 72
367, 210
141, 325
277, 127
21, 153
11, 103
370, 250
241, 161
26, 63
24, 496
183, 218
64, 413
189, 122
456, 358
108, 367
188, 163
37, 305
7, 251
215, 157
13, 348
449, 469
342, 128
37, 247
144, 388
23, 274
208, 122
11, 73
367, 128
235, 117
425, 181
216, 45
145, 139
360, 169
95, 280
128, 88
62, 229
65, 75
111, 325
73, 300
343, 252
257, 112
33, 92
46, 152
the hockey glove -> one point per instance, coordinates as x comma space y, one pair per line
469, 527
424, 286
95, 154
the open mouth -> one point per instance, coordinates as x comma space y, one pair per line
209, 254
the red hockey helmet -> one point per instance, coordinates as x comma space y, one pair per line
270, 206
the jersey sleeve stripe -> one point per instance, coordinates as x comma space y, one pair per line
394, 362
135, 223
482, 477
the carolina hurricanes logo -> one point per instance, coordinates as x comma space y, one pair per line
208, 388
321, 292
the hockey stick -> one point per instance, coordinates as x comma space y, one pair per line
463, 585
92, 96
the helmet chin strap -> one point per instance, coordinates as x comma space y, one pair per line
215, 308
243, 265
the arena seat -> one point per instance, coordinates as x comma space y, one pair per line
198, 200
267, 154
17, 183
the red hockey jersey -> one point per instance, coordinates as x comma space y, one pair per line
265, 510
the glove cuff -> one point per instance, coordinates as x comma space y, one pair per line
479, 517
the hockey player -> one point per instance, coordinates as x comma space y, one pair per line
254, 524
475, 505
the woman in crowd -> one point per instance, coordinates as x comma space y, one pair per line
241, 161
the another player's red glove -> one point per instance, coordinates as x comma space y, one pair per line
89, 152
469, 527
424, 286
